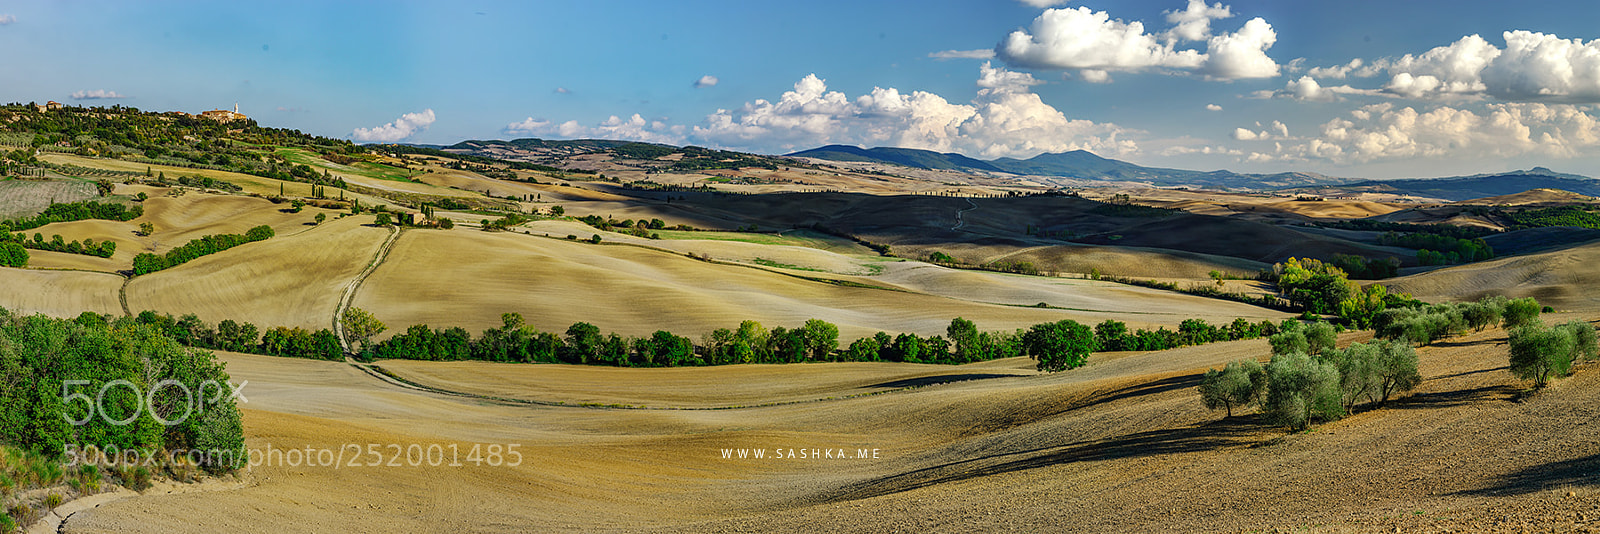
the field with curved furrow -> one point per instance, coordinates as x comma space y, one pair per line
554, 283
289, 280
58, 293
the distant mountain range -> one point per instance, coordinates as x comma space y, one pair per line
1479, 185
1077, 164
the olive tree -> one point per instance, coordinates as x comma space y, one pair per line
1301, 388
1239, 384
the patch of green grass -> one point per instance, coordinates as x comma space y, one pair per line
770, 263
361, 168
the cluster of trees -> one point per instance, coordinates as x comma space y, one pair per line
1361, 268
1325, 289
75, 211
1422, 325
640, 228
102, 249
1366, 225
1435, 249
205, 183
41, 353
148, 262
1583, 216
1309, 379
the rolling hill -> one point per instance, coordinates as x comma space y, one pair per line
1478, 186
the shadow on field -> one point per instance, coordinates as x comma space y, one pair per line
1445, 399
1465, 373
936, 380
1231, 432
1150, 388
1583, 471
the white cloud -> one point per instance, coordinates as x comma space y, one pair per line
1213, 107
7, 19
1242, 54
986, 53
1388, 132
96, 94
705, 81
1203, 150
634, 128
401, 128
1083, 39
1041, 4
1005, 118
562, 91
1277, 130
1356, 67
1307, 89
1193, 23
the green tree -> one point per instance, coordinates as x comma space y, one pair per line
13, 254
320, 218
1239, 384
1520, 312
104, 186
360, 326
383, 219
583, 342
1540, 353
1301, 389
1059, 346
146, 228
821, 338
964, 335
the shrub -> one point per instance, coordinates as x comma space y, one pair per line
1239, 384
1059, 346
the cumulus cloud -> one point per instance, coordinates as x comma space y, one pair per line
963, 54
401, 128
634, 128
705, 81
1005, 118
1531, 67
1193, 23
1083, 39
7, 19
1308, 89
96, 94
1385, 131
1041, 4
1213, 107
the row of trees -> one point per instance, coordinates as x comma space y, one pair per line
234, 336
1457, 249
74, 211
148, 262
1309, 379
88, 247
1057, 346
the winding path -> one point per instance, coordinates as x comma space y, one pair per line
960, 222
350, 290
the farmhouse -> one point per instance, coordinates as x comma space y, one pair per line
48, 106
223, 115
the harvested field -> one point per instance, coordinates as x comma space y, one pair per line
289, 280
58, 293
1563, 278
28, 197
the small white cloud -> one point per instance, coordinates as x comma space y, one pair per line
401, 128
7, 19
705, 81
1041, 4
562, 91
634, 128
985, 53
1213, 107
1095, 76
1193, 23
96, 94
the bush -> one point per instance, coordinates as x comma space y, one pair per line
13, 255
1239, 384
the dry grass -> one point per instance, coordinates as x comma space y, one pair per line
289, 280
1563, 278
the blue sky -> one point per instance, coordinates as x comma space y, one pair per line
1244, 85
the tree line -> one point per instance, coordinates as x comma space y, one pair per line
148, 262
88, 247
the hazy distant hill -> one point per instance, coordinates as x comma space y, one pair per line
1481, 185
1077, 164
